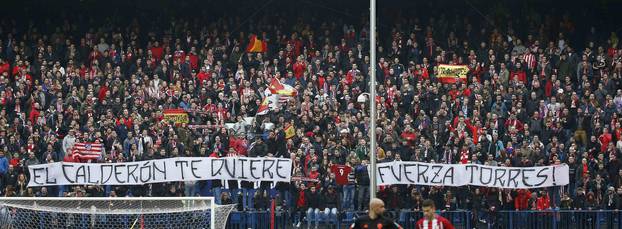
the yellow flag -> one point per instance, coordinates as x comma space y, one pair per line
448, 74
290, 131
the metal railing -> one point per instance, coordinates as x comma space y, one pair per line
552, 219
580, 219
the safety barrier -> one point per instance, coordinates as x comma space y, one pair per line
552, 219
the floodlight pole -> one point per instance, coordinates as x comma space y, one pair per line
372, 100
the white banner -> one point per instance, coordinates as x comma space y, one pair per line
162, 170
401, 172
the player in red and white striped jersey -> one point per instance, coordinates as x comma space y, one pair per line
430, 219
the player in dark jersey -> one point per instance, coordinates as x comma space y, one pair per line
430, 219
375, 218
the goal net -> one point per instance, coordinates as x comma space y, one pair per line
117, 212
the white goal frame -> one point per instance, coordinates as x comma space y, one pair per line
212, 206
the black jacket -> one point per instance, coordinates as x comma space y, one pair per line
313, 199
261, 202
362, 176
10, 178
332, 200
611, 202
258, 150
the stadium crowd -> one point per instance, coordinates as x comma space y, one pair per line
533, 96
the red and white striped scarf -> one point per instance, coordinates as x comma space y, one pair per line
530, 60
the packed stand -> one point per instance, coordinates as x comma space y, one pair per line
534, 96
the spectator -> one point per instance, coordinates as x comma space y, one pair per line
521, 201
21, 184
4, 163
314, 205
362, 184
523, 104
332, 203
392, 197
543, 202
566, 202
226, 199
261, 201
591, 202
611, 200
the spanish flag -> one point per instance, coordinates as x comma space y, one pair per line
178, 116
449, 74
290, 131
276, 87
256, 45
264, 107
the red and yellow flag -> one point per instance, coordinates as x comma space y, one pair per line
448, 74
256, 45
264, 107
276, 87
290, 131
177, 116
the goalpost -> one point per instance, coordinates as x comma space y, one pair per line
113, 212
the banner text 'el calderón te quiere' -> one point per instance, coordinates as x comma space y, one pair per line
162, 170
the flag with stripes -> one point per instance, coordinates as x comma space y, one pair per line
270, 102
281, 92
274, 100
88, 151
282, 99
276, 87
449, 74
264, 107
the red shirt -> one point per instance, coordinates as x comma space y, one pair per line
301, 199
238, 144
438, 222
102, 93
517, 124
604, 139
425, 73
341, 173
179, 56
127, 121
16, 69
350, 76
4, 68
14, 162
297, 44
194, 61
543, 203
464, 157
454, 94
203, 76
521, 202
34, 114
521, 75
410, 136
299, 69
548, 88
70, 158
157, 52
